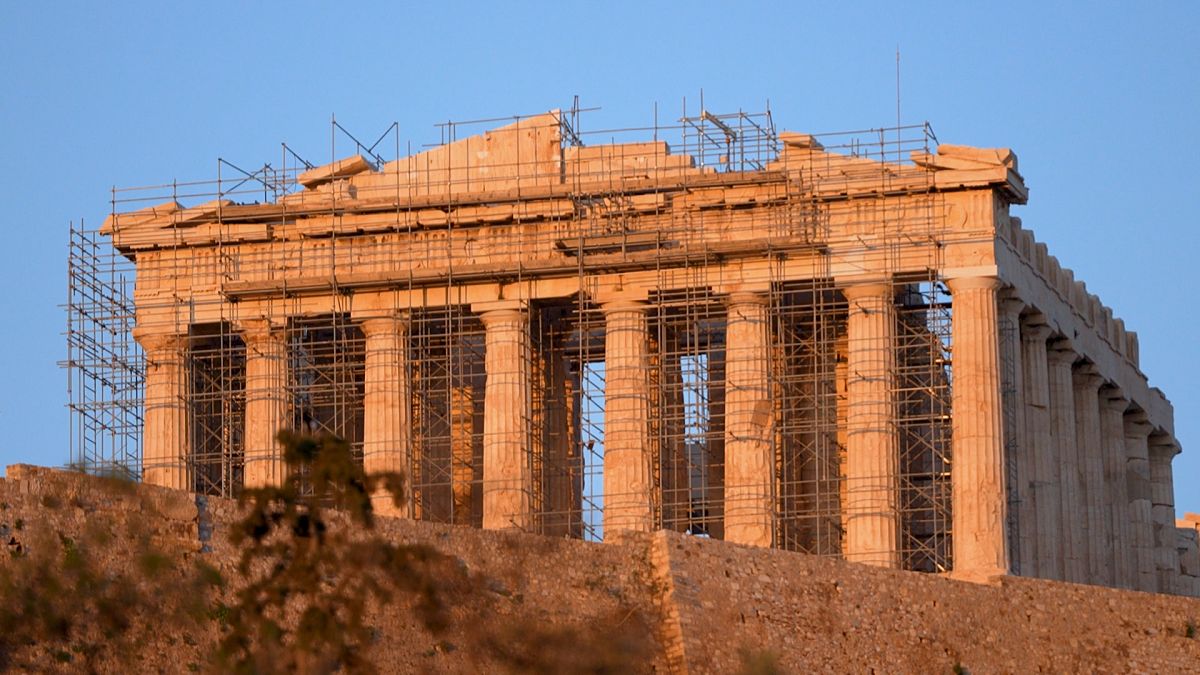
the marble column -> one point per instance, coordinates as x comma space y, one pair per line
1116, 494
1061, 358
628, 499
872, 517
267, 402
507, 421
1091, 466
1141, 516
1016, 445
978, 473
713, 505
1162, 496
558, 411
749, 422
387, 407
1044, 483
1091, 463
465, 478
166, 443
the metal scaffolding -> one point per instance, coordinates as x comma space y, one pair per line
603, 230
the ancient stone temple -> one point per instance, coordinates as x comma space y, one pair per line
843, 345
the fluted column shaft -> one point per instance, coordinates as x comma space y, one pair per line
978, 478
166, 444
387, 406
507, 421
872, 517
1094, 521
1116, 494
627, 456
749, 422
1016, 444
1162, 497
1062, 428
1044, 465
267, 403
1141, 516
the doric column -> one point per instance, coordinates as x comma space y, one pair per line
387, 406
267, 402
1061, 358
559, 413
673, 451
713, 505
1116, 494
1094, 521
464, 428
1141, 516
1016, 445
166, 443
978, 474
1162, 496
1045, 481
872, 446
749, 422
507, 421
627, 457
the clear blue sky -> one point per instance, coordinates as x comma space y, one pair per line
1102, 104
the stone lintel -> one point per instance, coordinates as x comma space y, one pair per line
541, 289
752, 286
384, 315
624, 304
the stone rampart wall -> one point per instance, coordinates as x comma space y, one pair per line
702, 605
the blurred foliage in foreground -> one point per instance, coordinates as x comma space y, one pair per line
311, 572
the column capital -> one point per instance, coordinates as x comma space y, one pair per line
1163, 445
1061, 351
259, 329
758, 299
501, 312
499, 317
1086, 377
1035, 332
623, 305
394, 323
957, 284
1113, 399
1010, 303
874, 288
155, 342
1137, 425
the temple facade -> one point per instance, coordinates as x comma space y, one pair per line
819, 344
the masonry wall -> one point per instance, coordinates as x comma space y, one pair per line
702, 604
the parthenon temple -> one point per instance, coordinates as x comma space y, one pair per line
842, 345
